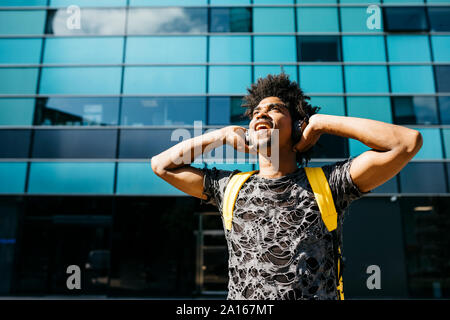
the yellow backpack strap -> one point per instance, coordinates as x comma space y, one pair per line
324, 199
231, 193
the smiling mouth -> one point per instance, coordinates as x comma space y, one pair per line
263, 126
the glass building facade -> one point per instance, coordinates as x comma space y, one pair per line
91, 90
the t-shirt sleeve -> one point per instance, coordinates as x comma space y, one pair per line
343, 189
214, 185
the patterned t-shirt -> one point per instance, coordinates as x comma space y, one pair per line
278, 246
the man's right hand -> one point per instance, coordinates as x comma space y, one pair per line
235, 137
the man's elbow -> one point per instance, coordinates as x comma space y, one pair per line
156, 167
412, 143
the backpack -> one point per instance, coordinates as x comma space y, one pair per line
324, 199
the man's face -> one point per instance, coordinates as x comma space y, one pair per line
271, 113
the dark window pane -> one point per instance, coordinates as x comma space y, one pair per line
439, 18
226, 111
423, 177
75, 143
444, 109
167, 20
14, 143
231, 20
415, 110
442, 78
389, 186
163, 111
77, 111
312, 48
405, 19
331, 146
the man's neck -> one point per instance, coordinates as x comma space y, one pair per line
286, 164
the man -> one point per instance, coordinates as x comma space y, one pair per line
279, 247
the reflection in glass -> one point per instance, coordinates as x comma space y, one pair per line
231, 20
226, 111
77, 111
415, 110
442, 78
318, 48
423, 177
444, 109
405, 19
14, 143
439, 18
167, 20
163, 111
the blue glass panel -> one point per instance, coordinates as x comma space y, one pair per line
432, 145
318, 48
405, 18
77, 111
403, 1
229, 79
321, 79
83, 50
375, 108
441, 48
390, 186
18, 80
446, 137
331, 146
359, 1
81, 80
166, 50
356, 147
163, 111
168, 2
226, 111
167, 20
20, 50
14, 143
263, 71
12, 177
165, 80
412, 79
423, 178
415, 110
355, 19
230, 49
274, 48
230, 19
139, 178
363, 48
329, 105
71, 177
439, 18
444, 109
408, 48
22, 22
307, 19
16, 111
359, 79
442, 78
273, 20
18, 3
75, 143
88, 3
273, 1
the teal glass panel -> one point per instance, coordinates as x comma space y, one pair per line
229, 79
88, 3
321, 79
446, 136
441, 48
375, 108
166, 50
363, 48
432, 145
230, 49
356, 147
19, 3
274, 48
362, 79
405, 48
308, 17
329, 105
168, 2
81, 80
83, 50
16, 111
165, 80
273, 19
12, 177
412, 79
402, 1
263, 71
355, 19
22, 22
229, 2
18, 80
359, 1
71, 177
20, 51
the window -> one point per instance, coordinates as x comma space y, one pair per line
20, 51
415, 110
318, 48
77, 111
263, 71
18, 80
412, 79
88, 3
439, 18
375, 108
176, 20
14, 143
363, 48
331, 146
161, 111
22, 22
226, 111
274, 48
442, 78
230, 49
273, 19
441, 48
423, 177
71, 177
329, 105
83, 50
307, 18
17, 3
354, 19
12, 177
229, 79
16, 111
321, 79
230, 20
408, 48
432, 145
362, 79
167, 2
80, 80
75, 143
165, 80
446, 136
405, 19
444, 109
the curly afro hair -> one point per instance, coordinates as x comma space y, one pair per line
290, 93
